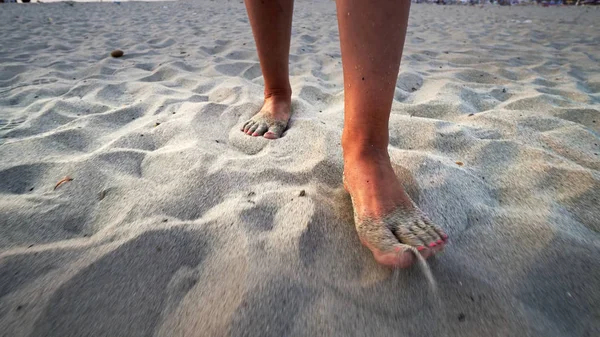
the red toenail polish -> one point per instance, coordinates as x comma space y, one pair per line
445, 236
420, 248
439, 241
433, 244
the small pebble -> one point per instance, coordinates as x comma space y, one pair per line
302, 193
116, 53
459, 163
461, 317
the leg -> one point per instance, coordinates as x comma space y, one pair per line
372, 37
271, 22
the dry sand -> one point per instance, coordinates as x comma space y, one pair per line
190, 228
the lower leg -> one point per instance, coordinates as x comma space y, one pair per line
271, 22
372, 36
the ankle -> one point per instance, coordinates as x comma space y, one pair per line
278, 94
360, 147
365, 155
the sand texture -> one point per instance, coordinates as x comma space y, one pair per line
177, 224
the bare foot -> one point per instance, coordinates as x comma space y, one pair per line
386, 219
272, 118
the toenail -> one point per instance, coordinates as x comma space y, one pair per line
420, 248
433, 244
445, 236
439, 241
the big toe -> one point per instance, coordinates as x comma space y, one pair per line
396, 258
271, 135
275, 131
387, 249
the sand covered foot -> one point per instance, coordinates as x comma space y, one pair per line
271, 120
386, 219
386, 237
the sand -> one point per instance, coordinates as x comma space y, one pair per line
177, 224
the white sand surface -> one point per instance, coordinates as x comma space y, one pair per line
190, 228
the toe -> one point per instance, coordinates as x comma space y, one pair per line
435, 237
248, 126
260, 130
435, 228
275, 131
245, 124
423, 236
397, 258
253, 128
428, 235
270, 135
384, 245
408, 237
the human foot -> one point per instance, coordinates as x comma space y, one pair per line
271, 120
386, 219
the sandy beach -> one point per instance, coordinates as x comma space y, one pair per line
175, 223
